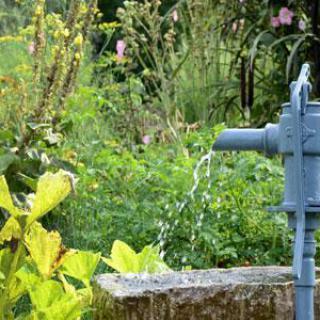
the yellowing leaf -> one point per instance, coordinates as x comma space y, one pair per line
6, 257
81, 266
52, 303
6, 200
45, 249
28, 276
10, 230
123, 258
51, 190
45, 294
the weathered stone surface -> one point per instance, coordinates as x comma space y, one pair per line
261, 293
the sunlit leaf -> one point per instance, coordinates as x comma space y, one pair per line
10, 230
81, 266
69, 288
16, 289
45, 249
51, 190
52, 303
28, 275
150, 261
6, 200
45, 294
31, 183
123, 258
6, 257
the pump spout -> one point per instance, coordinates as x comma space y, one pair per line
265, 140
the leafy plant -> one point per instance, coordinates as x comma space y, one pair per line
34, 91
34, 262
125, 260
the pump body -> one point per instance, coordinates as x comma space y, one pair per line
297, 138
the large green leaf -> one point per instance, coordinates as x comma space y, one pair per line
6, 160
6, 257
81, 266
45, 249
28, 275
6, 200
51, 190
150, 260
46, 294
50, 302
10, 230
123, 258
16, 289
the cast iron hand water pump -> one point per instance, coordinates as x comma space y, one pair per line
297, 138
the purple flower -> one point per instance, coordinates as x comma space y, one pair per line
275, 22
302, 25
175, 16
121, 47
285, 16
146, 139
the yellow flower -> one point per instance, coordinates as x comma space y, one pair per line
77, 56
66, 33
78, 41
38, 12
56, 34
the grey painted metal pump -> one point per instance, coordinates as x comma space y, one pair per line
297, 138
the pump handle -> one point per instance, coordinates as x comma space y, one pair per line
299, 99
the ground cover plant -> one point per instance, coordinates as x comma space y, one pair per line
127, 97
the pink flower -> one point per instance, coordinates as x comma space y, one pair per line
285, 16
175, 16
146, 139
121, 47
31, 48
275, 22
302, 25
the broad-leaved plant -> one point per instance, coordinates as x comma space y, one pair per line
34, 262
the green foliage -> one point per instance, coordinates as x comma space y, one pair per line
45, 57
33, 261
131, 192
126, 260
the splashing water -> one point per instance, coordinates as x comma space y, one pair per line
190, 197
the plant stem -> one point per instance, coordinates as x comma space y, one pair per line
5, 306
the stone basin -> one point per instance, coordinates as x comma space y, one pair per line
260, 293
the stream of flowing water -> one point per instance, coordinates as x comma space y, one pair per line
180, 206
